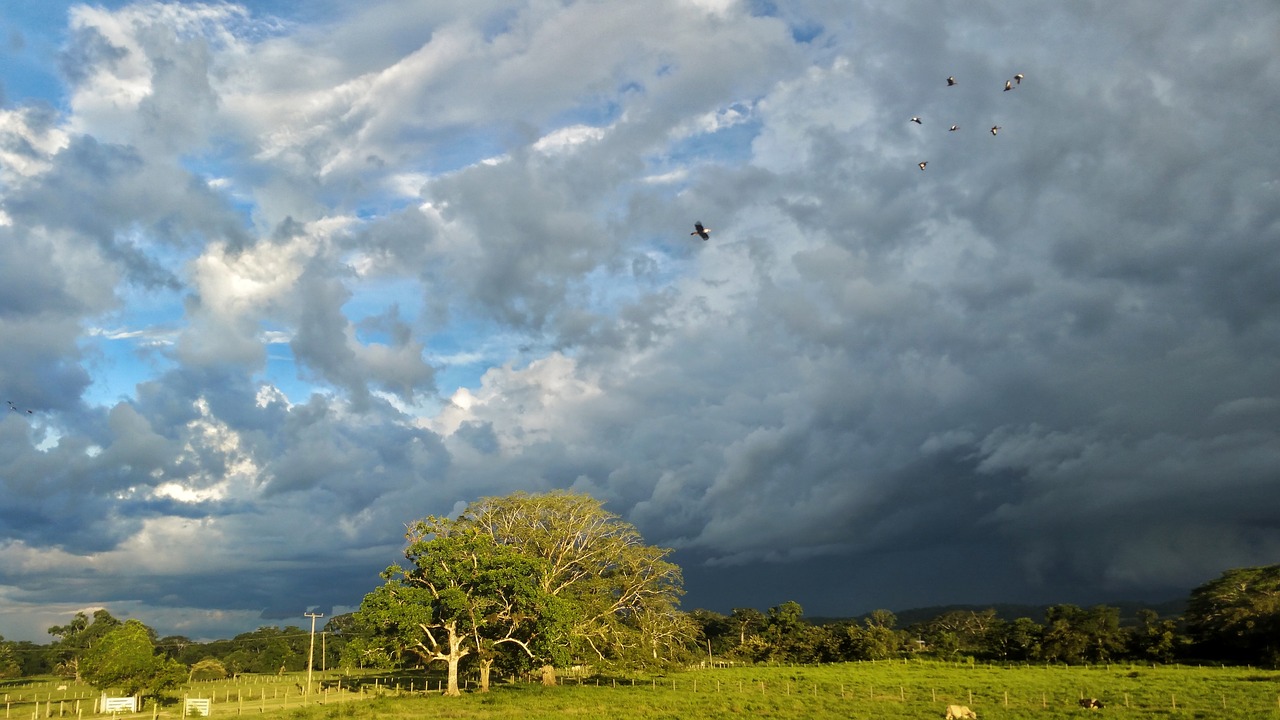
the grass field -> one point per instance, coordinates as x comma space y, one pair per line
888, 690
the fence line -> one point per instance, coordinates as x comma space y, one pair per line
1259, 702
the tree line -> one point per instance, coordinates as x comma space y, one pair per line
525, 581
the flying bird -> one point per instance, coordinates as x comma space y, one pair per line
702, 232
923, 164
916, 120
953, 128
995, 129
1008, 85
951, 81
1018, 78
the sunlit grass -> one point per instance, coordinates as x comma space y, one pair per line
888, 690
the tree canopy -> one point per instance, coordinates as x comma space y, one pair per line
546, 578
125, 658
9, 665
1237, 616
620, 594
465, 595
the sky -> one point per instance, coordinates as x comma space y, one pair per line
277, 279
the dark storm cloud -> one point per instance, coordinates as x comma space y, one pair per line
1087, 286
1042, 370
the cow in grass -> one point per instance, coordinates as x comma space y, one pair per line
960, 712
1091, 703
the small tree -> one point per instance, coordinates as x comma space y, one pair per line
747, 622
208, 669
9, 665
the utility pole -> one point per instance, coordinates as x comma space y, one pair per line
311, 651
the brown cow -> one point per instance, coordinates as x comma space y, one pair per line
1091, 703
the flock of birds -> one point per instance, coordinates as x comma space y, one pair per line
705, 232
995, 129
15, 408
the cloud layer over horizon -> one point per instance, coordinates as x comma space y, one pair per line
274, 284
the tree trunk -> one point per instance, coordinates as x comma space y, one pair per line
548, 675
456, 653
485, 666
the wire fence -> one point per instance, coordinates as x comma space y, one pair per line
1239, 703
1231, 692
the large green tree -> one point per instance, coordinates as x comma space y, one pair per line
76, 637
1073, 635
1017, 640
125, 658
876, 640
958, 632
1237, 616
464, 595
598, 566
1156, 639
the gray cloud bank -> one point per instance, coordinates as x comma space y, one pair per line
1046, 368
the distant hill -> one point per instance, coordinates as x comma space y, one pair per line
1005, 611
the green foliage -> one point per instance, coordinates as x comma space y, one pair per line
876, 640
9, 665
523, 580
1156, 639
125, 658
74, 639
208, 669
362, 652
1237, 616
1073, 635
1018, 640
613, 594
268, 650
465, 595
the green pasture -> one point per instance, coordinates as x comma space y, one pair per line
29, 699
890, 689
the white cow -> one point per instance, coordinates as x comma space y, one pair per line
960, 712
